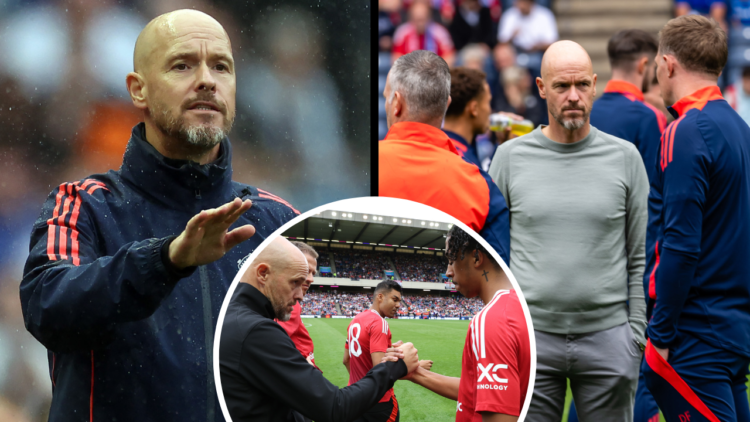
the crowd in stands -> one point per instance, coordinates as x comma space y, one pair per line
358, 264
504, 39
372, 265
351, 304
414, 267
319, 304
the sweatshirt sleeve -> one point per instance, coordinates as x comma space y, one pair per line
496, 229
636, 224
270, 362
71, 296
685, 186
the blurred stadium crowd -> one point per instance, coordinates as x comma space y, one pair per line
422, 306
507, 38
302, 99
373, 265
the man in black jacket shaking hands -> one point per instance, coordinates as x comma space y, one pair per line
263, 376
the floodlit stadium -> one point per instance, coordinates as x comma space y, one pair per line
357, 251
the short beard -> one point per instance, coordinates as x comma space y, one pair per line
202, 137
279, 308
571, 124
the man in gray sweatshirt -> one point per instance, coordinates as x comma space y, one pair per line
578, 206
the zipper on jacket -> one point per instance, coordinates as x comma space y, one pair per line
197, 194
208, 328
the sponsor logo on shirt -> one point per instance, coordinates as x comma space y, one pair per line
488, 372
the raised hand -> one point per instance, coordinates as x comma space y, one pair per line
205, 238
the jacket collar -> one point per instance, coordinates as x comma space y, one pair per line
249, 296
697, 99
175, 181
420, 132
625, 88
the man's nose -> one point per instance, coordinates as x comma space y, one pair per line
573, 96
204, 79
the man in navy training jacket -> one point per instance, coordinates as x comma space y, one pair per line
696, 275
128, 270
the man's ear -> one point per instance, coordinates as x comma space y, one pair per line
540, 85
397, 105
671, 63
262, 274
137, 89
473, 108
642, 65
478, 258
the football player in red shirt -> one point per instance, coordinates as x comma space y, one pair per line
368, 338
496, 362
294, 327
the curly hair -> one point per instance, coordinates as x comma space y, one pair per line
459, 242
466, 85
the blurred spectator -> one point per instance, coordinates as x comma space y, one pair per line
360, 264
715, 9
389, 17
421, 33
296, 111
738, 95
473, 56
419, 267
530, 28
520, 94
472, 24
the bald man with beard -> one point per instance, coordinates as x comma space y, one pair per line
128, 270
263, 376
577, 199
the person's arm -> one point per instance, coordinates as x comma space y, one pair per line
685, 186
636, 221
439, 384
72, 296
270, 362
496, 229
346, 360
377, 357
498, 417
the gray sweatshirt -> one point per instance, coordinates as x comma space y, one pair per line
578, 215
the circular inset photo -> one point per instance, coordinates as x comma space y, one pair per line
374, 309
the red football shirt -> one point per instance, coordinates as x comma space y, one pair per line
298, 333
496, 361
368, 333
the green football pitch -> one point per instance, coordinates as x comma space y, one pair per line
439, 341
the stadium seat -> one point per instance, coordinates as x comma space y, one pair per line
381, 107
382, 128
381, 84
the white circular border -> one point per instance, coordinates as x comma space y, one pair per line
400, 204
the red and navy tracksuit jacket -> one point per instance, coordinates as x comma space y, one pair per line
697, 277
420, 163
129, 338
466, 150
621, 112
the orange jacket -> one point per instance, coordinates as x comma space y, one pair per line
419, 162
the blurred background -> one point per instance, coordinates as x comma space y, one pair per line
507, 38
302, 129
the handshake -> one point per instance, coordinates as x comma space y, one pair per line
408, 353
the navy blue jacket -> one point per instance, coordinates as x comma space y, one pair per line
466, 150
130, 338
698, 269
621, 112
